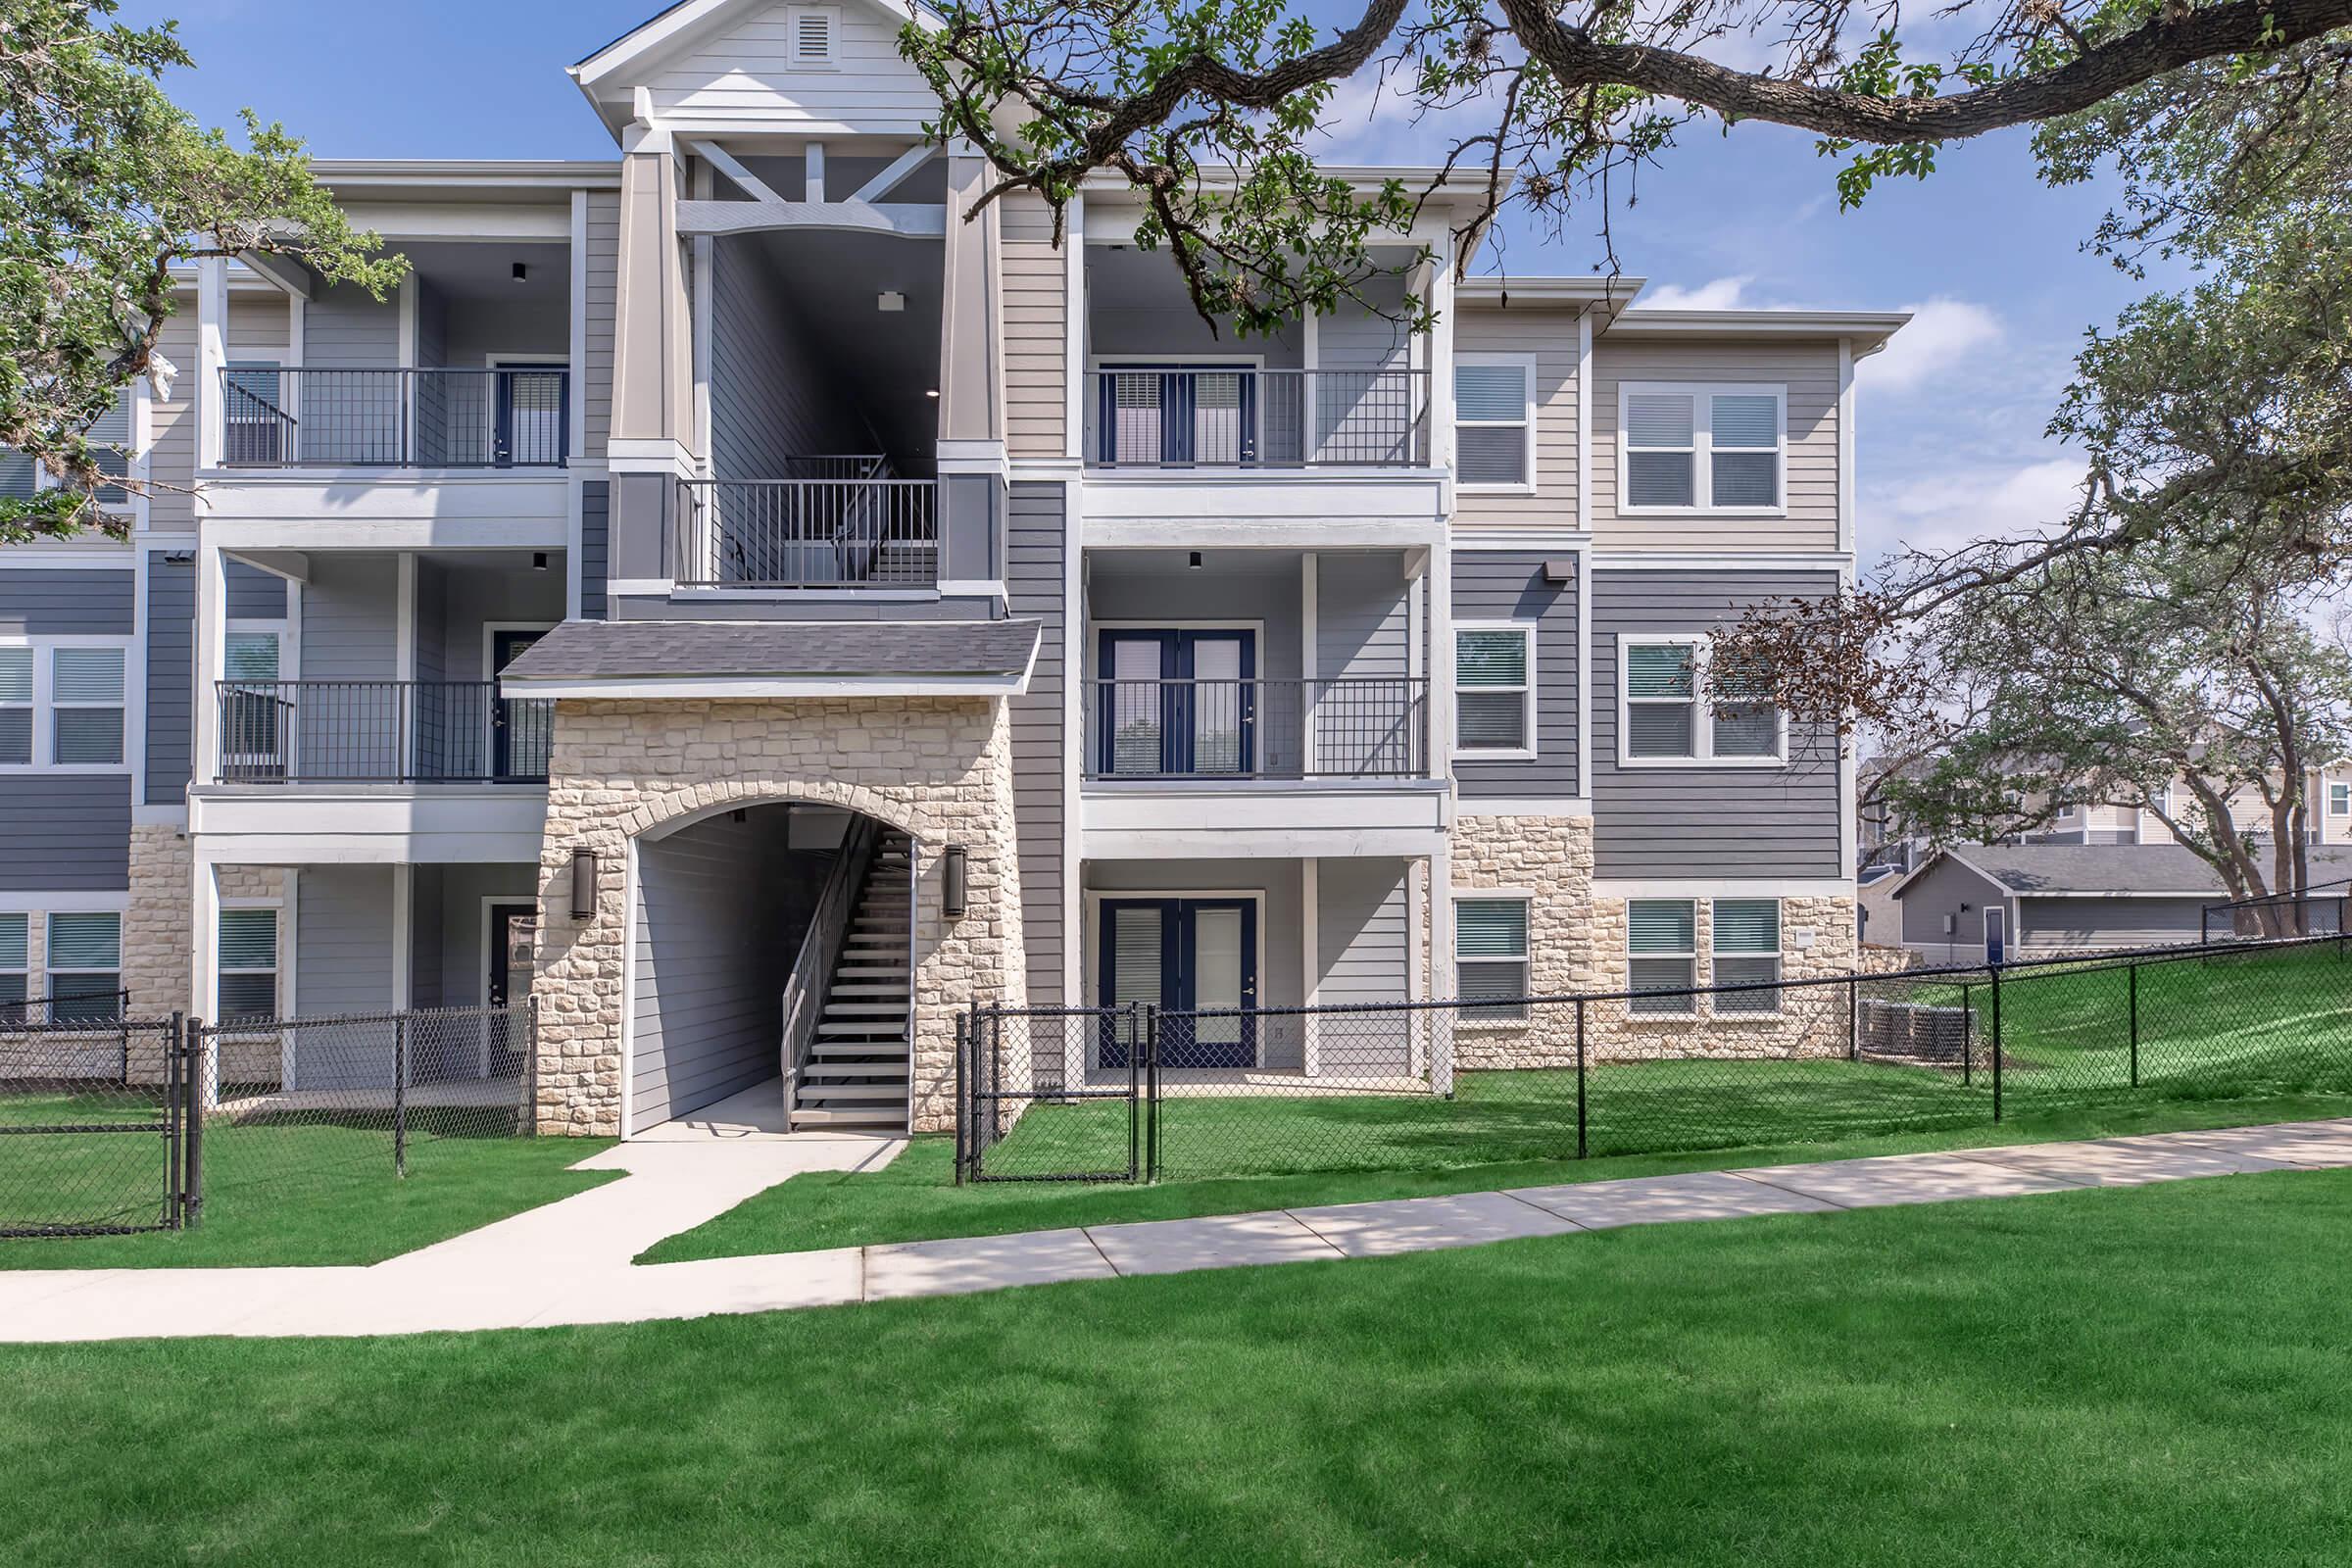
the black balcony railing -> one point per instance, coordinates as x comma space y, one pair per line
1279, 729
840, 526
380, 731
274, 417
1182, 416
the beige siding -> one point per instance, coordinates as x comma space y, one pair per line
257, 325
1550, 336
744, 77
603, 296
1809, 371
172, 462
1036, 314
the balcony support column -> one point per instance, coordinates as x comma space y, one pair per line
212, 354
212, 629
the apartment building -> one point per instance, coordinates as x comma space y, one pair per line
741, 599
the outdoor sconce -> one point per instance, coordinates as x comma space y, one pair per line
583, 884
952, 893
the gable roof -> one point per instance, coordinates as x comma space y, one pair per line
690, 18
2111, 870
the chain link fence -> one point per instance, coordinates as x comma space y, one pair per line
1140, 1093
90, 1124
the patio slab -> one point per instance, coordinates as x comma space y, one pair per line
2126, 1162
1906, 1179
1425, 1224
1666, 1199
982, 1263
1229, 1240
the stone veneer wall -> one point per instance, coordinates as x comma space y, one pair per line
1576, 943
159, 945
940, 768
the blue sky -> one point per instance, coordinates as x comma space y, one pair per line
1951, 415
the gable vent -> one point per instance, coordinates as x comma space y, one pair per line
816, 34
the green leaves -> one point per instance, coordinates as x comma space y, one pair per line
105, 183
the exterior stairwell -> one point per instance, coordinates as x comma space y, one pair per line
854, 1076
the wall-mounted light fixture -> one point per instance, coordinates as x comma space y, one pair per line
583, 884
953, 886
522, 274
1195, 561
889, 300
538, 561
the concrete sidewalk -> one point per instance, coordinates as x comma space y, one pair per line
569, 1261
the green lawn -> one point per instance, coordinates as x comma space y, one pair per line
2147, 1376
914, 1199
309, 1194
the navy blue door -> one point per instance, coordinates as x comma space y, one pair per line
1176, 704
1187, 956
1176, 415
519, 734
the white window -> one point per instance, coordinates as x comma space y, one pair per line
1494, 423
1665, 719
248, 954
1495, 690
1701, 448
813, 35
2340, 800
1661, 953
85, 967
86, 698
16, 706
1490, 958
16, 932
1746, 943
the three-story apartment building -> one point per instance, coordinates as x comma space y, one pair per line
758, 605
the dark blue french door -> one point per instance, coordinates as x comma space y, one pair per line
1184, 957
1177, 414
1176, 704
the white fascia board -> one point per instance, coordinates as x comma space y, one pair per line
640, 45
1869, 329
1838, 560
1510, 536
1522, 806
762, 688
1723, 887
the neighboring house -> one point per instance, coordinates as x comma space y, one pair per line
724, 584
1885, 840
2066, 897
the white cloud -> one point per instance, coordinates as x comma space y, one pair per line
1717, 294
1950, 508
1942, 333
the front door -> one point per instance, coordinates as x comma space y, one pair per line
1185, 957
1174, 415
520, 732
1177, 704
528, 411
512, 934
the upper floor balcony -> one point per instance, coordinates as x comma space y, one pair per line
1144, 415
1250, 731
506, 417
833, 522
342, 732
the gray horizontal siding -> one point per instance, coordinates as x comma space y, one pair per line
254, 594
596, 536
1705, 821
64, 833
1362, 929
350, 610
1509, 585
170, 676
1946, 888
1035, 540
345, 327
2109, 922
76, 602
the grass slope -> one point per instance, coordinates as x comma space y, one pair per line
914, 1199
2147, 1376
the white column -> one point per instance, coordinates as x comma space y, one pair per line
1441, 661
205, 921
1309, 631
1440, 966
1310, 956
404, 893
212, 353
212, 615
1440, 356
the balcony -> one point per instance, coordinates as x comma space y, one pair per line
1253, 730
1155, 417
838, 522
351, 732
278, 417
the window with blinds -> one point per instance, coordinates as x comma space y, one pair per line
248, 964
1661, 700
1494, 423
2340, 800
16, 937
1490, 958
1495, 690
86, 700
85, 967
16, 706
1677, 706
1745, 941
1661, 947
1699, 448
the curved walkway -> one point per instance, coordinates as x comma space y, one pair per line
569, 1261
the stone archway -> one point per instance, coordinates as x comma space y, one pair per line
938, 770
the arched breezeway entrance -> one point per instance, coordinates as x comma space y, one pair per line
767, 973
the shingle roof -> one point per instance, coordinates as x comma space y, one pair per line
2138, 868
612, 649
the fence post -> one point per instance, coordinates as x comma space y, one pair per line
2131, 981
1996, 1043
400, 1094
174, 1072
1150, 1045
193, 1075
2340, 902
963, 1107
1579, 1077
1135, 1109
1853, 1017
1968, 1036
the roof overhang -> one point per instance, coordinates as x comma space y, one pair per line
768, 659
1607, 298
452, 180
1867, 330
